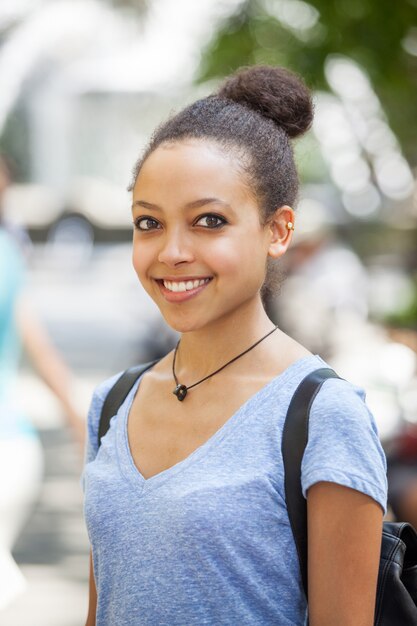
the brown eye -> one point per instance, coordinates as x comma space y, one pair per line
146, 223
211, 221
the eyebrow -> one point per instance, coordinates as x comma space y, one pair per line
195, 204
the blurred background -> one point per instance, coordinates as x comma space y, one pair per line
82, 85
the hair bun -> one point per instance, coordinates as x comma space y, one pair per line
274, 92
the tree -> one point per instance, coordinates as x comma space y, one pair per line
380, 36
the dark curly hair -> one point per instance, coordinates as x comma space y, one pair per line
253, 116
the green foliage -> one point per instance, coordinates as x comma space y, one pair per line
376, 34
138, 6
406, 318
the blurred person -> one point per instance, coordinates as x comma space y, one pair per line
21, 456
184, 498
19, 234
402, 448
325, 276
33, 336
402, 475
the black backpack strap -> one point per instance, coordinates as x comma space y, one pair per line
294, 441
118, 394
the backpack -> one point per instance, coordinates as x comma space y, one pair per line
396, 599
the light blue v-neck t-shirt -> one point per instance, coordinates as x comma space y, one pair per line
208, 541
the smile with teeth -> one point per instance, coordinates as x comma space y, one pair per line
184, 285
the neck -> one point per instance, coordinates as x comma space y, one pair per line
205, 350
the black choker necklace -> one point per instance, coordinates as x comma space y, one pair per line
181, 390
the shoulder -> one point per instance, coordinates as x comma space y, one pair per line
343, 443
338, 394
340, 409
102, 389
93, 418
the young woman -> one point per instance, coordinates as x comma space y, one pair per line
184, 500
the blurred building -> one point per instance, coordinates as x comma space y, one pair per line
83, 84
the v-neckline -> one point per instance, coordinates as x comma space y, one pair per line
127, 463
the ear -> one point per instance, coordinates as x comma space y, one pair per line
280, 234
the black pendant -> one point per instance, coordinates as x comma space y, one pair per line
180, 391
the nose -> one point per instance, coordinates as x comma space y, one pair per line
176, 248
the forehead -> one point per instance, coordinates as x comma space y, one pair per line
192, 168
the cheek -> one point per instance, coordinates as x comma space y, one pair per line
223, 257
241, 262
140, 259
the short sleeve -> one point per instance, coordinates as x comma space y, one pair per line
93, 419
343, 444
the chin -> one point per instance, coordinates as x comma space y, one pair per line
184, 324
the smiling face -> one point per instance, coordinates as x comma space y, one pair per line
199, 248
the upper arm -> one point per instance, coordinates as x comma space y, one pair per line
344, 545
93, 419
